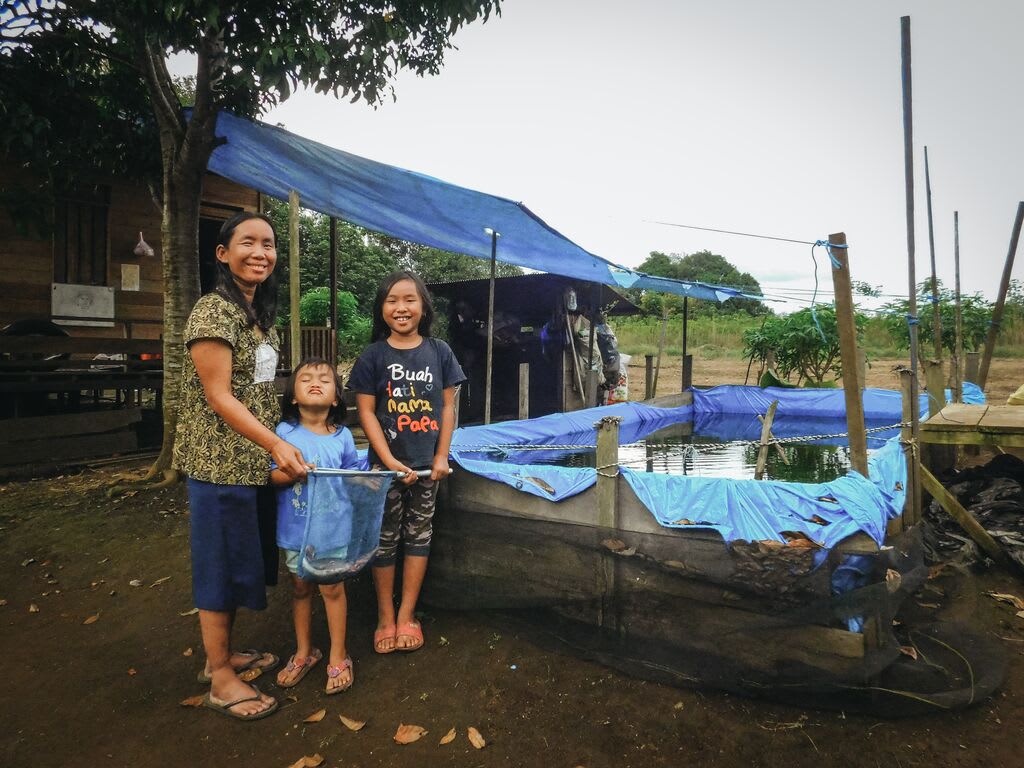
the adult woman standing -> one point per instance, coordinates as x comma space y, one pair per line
224, 444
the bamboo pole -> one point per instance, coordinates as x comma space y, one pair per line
686, 379
490, 327
294, 321
958, 318
912, 504
913, 416
766, 433
1004, 284
846, 321
524, 390
936, 314
332, 321
648, 377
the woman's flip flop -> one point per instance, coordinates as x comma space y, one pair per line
271, 662
225, 708
303, 665
334, 672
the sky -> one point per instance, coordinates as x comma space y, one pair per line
781, 119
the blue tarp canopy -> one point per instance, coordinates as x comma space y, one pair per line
417, 208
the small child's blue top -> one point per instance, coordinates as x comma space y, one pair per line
334, 451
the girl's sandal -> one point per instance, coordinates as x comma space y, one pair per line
303, 665
412, 631
334, 672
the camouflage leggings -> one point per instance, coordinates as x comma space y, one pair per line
408, 514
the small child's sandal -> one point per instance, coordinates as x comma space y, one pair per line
335, 671
303, 665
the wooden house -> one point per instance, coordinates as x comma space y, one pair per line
81, 317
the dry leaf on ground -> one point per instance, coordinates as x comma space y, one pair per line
33, 608
309, 761
909, 650
192, 701
352, 725
316, 717
132, 672
92, 619
3, 601
475, 738
250, 674
135, 583
448, 738
192, 612
160, 581
1013, 600
407, 734
187, 652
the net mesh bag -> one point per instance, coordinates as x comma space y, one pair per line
343, 523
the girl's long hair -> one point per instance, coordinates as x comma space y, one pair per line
290, 409
263, 310
380, 329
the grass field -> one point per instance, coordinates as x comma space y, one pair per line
713, 337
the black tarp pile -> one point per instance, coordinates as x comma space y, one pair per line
994, 494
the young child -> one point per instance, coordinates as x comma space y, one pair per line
405, 390
311, 421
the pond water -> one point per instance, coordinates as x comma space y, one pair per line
720, 446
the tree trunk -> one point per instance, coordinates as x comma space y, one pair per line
185, 150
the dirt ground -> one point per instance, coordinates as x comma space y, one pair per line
97, 667
96, 671
1005, 375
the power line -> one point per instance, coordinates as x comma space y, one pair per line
731, 232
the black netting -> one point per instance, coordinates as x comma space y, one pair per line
686, 609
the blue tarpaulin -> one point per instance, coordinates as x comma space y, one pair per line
417, 208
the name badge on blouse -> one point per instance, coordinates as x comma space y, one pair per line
266, 364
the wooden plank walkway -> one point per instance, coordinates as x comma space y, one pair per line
960, 424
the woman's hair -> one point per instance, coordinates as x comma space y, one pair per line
290, 410
380, 328
263, 310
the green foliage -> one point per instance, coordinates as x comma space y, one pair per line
315, 307
800, 345
705, 267
364, 258
976, 313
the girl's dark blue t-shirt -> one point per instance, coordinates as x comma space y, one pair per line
409, 387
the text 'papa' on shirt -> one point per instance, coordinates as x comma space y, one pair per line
334, 451
409, 386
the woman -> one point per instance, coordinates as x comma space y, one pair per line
225, 442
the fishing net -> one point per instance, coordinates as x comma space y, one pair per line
345, 509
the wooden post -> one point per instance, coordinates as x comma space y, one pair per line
590, 389
858, 438
908, 176
972, 361
936, 314
766, 433
490, 327
997, 311
958, 327
332, 321
607, 470
939, 457
966, 520
648, 377
912, 505
661, 346
687, 374
294, 321
524, 390
862, 368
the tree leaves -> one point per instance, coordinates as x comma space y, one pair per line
316, 717
352, 725
407, 734
475, 738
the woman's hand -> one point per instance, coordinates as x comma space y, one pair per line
289, 460
440, 470
408, 476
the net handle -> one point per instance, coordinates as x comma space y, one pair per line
328, 472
